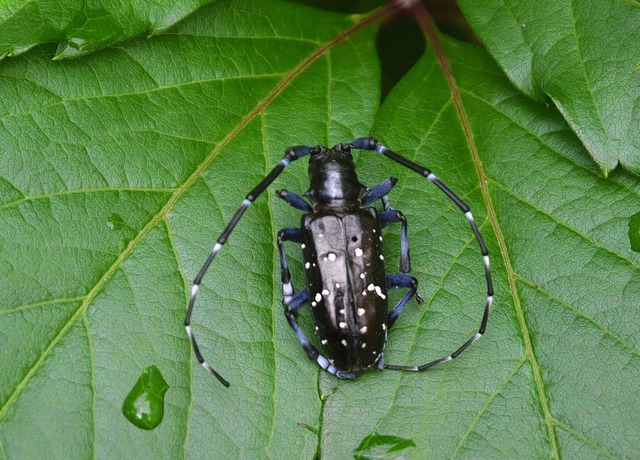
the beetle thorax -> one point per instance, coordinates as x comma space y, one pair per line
333, 180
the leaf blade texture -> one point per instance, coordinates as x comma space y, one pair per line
582, 56
121, 168
80, 28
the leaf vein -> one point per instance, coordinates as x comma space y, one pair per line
85, 191
63, 100
486, 405
94, 392
39, 305
578, 232
581, 314
177, 194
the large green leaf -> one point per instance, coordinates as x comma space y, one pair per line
81, 27
119, 170
582, 54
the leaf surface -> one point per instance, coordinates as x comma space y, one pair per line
582, 55
79, 28
554, 375
119, 170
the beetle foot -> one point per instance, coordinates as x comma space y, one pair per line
346, 375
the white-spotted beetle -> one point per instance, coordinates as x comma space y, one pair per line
341, 241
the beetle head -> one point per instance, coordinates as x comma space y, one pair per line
333, 180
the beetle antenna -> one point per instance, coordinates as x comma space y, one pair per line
291, 154
371, 143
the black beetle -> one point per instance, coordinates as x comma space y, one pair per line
341, 240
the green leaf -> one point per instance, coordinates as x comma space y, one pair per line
119, 170
381, 446
80, 28
554, 375
582, 55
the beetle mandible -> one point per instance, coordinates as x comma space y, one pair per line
341, 241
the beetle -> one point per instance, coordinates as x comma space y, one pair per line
341, 240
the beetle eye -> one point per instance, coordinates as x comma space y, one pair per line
342, 149
316, 150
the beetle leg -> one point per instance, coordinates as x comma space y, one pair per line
371, 143
391, 216
287, 234
397, 282
402, 281
290, 154
298, 301
379, 191
293, 303
294, 200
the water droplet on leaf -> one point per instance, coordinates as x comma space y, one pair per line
634, 232
115, 222
144, 405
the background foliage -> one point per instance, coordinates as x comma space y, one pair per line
119, 168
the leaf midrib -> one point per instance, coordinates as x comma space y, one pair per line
179, 191
432, 36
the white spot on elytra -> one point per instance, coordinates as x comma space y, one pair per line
380, 238
364, 345
331, 256
379, 292
384, 327
344, 342
359, 252
371, 287
360, 311
381, 257
337, 285
303, 245
325, 292
313, 304
307, 265
342, 324
363, 330
324, 341
341, 311
361, 275
318, 297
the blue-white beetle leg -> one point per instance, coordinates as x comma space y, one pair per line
294, 302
